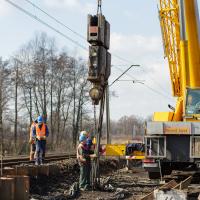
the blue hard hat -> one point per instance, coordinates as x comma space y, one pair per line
40, 119
82, 138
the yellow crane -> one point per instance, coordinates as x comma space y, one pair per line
172, 140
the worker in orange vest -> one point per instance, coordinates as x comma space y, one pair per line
40, 133
32, 141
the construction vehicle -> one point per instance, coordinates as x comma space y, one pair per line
172, 139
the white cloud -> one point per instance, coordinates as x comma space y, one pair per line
135, 46
5, 8
61, 3
138, 99
74, 5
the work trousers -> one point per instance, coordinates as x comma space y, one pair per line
40, 150
84, 180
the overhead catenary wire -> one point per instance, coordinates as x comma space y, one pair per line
119, 69
46, 24
70, 29
56, 20
150, 88
51, 27
61, 33
150, 77
122, 74
155, 91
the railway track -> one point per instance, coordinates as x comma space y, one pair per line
11, 161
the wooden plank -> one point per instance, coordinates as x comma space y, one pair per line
9, 171
22, 186
184, 184
7, 188
22, 170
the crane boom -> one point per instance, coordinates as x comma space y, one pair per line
179, 21
170, 27
172, 139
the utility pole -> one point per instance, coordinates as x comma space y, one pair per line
108, 136
1, 120
16, 102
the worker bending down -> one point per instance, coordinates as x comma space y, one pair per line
40, 132
32, 141
84, 159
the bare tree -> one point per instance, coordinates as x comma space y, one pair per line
4, 95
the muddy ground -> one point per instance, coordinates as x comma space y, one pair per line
117, 183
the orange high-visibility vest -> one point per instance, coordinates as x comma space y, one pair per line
41, 133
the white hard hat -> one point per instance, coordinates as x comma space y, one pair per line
85, 133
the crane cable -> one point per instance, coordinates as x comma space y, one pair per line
99, 10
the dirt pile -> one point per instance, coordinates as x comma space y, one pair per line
56, 187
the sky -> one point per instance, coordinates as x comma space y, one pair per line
135, 37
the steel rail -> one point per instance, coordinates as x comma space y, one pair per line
25, 159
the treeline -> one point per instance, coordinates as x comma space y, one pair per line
42, 80
130, 126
